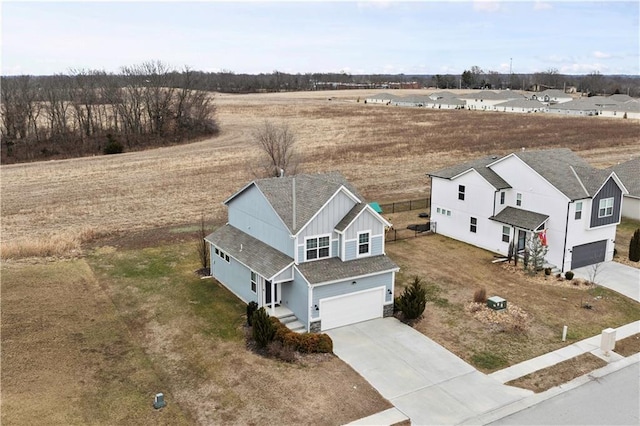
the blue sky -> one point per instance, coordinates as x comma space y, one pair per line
369, 37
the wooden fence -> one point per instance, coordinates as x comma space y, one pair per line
403, 206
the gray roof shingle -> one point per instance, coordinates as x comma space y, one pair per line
334, 269
629, 174
260, 257
348, 218
572, 175
312, 192
520, 218
479, 165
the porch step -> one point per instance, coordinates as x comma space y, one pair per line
296, 326
288, 318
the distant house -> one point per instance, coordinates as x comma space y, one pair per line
520, 106
552, 96
629, 109
442, 95
579, 107
629, 173
308, 248
485, 100
411, 101
381, 98
494, 201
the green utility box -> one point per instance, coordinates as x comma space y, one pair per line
497, 303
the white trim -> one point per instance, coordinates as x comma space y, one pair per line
368, 253
375, 214
617, 180
354, 277
606, 206
317, 237
579, 181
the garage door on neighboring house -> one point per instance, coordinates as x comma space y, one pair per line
351, 308
588, 254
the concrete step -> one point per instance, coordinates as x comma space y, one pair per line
287, 319
296, 326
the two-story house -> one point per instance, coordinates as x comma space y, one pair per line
493, 201
308, 245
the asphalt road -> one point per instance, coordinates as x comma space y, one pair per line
610, 400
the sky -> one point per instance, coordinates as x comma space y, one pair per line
368, 37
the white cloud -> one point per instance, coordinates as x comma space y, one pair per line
601, 55
583, 68
486, 5
542, 5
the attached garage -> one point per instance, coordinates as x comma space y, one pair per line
588, 254
351, 308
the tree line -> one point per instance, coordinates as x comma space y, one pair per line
89, 112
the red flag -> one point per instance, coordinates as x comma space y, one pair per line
543, 237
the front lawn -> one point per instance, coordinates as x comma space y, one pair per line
454, 271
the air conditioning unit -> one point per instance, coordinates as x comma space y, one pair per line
497, 303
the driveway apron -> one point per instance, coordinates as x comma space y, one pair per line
422, 379
616, 276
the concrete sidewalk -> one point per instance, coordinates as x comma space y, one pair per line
615, 276
592, 345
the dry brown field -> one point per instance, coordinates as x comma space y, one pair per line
52, 207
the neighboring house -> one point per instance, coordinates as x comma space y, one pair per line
492, 201
485, 100
521, 106
629, 174
552, 96
629, 109
411, 101
308, 244
381, 98
579, 107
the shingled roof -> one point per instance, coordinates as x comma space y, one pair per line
520, 218
312, 192
258, 256
479, 165
572, 175
334, 269
629, 174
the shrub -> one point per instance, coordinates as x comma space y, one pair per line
634, 246
301, 342
413, 300
480, 296
283, 352
263, 328
252, 307
547, 271
569, 275
113, 146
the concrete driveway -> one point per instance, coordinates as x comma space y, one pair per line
429, 384
616, 276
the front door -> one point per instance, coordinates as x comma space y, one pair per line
267, 293
522, 238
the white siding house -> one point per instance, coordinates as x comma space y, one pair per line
492, 202
629, 173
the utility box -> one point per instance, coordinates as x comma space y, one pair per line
497, 303
158, 401
608, 340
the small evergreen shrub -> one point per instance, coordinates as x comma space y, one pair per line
634, 246
413, 300
480, 296
252, 307
113, 146
263, 328
547, 271
569, 275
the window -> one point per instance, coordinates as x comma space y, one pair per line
518, 199
226, 258
254, 282
461, 192
438, 210
578, 210
317, 247
502, 196
448, 212
473, 226
217, 252
222, 255
363, 243
506, 232
606, 207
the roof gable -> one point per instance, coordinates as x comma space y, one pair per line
480, 166
355, 212
629, 174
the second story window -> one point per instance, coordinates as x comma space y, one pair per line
519, 199
578, 210
606, 207
363, 244
317, 247
502, 197
461, 192
473, 225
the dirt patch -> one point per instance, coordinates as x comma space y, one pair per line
563, 372
628, 346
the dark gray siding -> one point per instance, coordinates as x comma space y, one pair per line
610, 189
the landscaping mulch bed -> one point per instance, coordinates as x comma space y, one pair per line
541, 278
563, 372
513, 318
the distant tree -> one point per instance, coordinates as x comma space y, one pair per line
277, 146
467, 81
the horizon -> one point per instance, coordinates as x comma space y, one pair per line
357, 38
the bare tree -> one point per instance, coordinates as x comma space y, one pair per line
277, 146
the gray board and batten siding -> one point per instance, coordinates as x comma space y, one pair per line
609, 190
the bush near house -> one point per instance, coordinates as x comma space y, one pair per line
305, 342
634, 246
263, 328
569, 275
413, 300
252, 307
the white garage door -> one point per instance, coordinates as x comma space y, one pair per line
351, 308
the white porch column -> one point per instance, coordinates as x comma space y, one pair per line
273, 298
